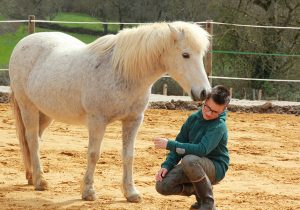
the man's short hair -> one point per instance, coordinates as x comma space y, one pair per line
220, 95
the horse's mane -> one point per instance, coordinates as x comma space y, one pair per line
135, 50
103, 44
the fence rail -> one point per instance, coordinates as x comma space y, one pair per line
234, 78
137, 23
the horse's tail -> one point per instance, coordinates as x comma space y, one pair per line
21, 133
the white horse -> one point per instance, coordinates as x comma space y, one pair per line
55, 76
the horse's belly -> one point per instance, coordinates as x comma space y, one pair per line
66, 117
61, 106
56, 94
63, 114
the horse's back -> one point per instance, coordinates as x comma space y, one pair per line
35, 47
47, 38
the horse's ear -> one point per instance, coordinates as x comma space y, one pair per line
173, 32
176, 35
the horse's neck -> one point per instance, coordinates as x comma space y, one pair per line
149, 78
142, 83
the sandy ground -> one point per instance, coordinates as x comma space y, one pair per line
264, 171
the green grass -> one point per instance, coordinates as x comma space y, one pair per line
79, 17
83, 37
9, 40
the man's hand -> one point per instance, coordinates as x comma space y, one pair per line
160, 143
161, 174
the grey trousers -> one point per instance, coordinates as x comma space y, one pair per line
178, 181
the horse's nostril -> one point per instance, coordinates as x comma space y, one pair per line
203, 94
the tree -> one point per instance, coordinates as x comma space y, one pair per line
20, 9
272, 41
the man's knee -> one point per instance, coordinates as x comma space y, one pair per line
192, 167
189, 161
162, 188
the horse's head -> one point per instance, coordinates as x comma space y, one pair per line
183, 59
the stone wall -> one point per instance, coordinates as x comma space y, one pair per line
4, 78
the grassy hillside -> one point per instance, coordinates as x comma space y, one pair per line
78, 17
9, 40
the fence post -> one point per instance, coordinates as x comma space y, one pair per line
31, 25
253, 94
165, 89
230, 90
245, 94
208, 57
259, 94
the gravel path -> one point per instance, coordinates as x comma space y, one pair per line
156, 98
4, 89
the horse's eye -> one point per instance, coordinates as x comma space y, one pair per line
185, 55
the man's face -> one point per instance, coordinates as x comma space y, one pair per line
211, 110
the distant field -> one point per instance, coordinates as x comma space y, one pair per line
83, 18
9, 40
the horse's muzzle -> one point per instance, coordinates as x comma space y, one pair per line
201, 97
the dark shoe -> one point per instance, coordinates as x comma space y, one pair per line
197, 204
204, 191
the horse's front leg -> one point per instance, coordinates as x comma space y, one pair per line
96, 129
130, 128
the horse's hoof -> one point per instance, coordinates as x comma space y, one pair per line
136, 198
29, 178
43, 185
89, 195
30, 182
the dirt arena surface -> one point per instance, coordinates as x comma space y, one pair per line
264, 171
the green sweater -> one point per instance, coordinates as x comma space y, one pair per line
204, 138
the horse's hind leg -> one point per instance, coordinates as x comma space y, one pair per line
22, 139
130, 128
44, 122
30, 117
96, 127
